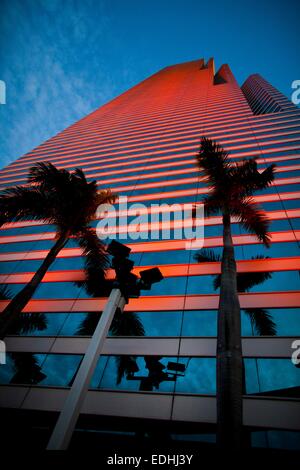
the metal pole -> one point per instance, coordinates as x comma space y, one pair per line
66, 422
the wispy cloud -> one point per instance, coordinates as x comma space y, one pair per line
55, 67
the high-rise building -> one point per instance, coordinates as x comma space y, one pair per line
161, 384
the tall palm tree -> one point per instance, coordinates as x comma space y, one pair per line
261, 320
65, 199
231, 187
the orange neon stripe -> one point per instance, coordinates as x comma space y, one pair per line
168, 270
166, 245
258, 199
275, 215
163, 303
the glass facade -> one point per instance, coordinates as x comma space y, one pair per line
143, 145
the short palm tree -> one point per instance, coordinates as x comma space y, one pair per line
231, 187
65, 199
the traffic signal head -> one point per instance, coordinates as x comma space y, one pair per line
118, 250
149, 277
127, 281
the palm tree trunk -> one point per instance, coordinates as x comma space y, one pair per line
229, 350
15, 307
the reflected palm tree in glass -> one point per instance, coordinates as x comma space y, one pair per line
26, 365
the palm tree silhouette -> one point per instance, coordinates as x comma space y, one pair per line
261, 320
27, 368
231, 187
67, 200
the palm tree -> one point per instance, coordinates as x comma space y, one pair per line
231, 187
67, 200
261, 320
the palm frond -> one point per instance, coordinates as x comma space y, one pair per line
127, 324
247, 179
213, 203
48, 177
25, 203
261, 321
5, 292
96, 261
246, 281
266, 177
252, 218
88, 324
27, 368
29, 323
213, 161
206, 255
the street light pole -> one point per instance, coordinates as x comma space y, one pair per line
128, 285
66, 422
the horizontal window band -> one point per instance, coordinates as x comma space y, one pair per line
259, 412
155, 175
165, 138
23, 160
274, 347
121, 130
151, 167
259, 199
162, 143
148, 225
168, 270
111, 135
191, 180
175, 148
161, 157
160, 303
167, 123
130, 159
171, 164
175, 131
165, 245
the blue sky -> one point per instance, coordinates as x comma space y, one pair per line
61, 59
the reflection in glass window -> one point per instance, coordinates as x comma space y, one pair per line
291, 203
166, 323
199, 376
38, 324
199, 323
58, 290
39, 369
60, 369
165, 257
276, 250
279, 377
149, 373
276, 439
168, 286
